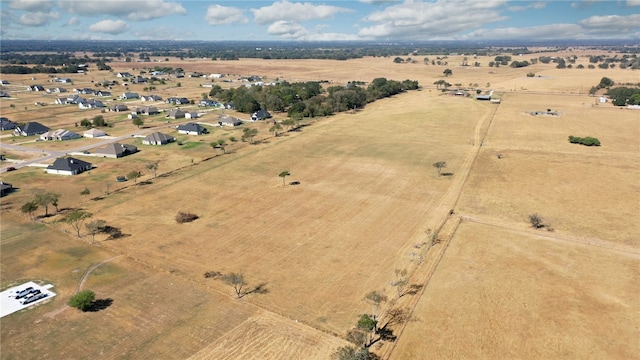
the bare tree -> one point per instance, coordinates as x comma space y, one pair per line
235, 280
440, 165
76, 218
134, 174
94, 227
153, 166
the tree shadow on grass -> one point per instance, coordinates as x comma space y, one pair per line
100, 304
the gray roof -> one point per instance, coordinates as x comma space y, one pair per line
69, 164
34, 128
6, 124
192, 127
158, 137
117, 149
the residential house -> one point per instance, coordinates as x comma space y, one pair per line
118, 108
4, 94
116, 150
86, 91
191, 115
68, 166
94, 133
158, 138
103, 93
216, 76
4, 82
6, 124
208, 102
129, 95
59, 135
138, 80
30, 128
56, 90
63, 80
260, 115
35, 88
72, 99
176, 114
484, 97
147, 110
90, 104
177, 101
150, 98
225, 120
124, 75
191, 129
5, 188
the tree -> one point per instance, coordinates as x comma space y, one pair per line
85, 191
440, 165
352, 353
76, 218
153, 166
134, 174
29, 207
536, 221
94, 227
605, 82
46, 198
235, 280
283, 175
401, 282
275, 128
82, 300
222, 145
99, 121
249, 134
447, 72
138, 122
375, 298
85, 123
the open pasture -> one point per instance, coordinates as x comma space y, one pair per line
501, 293
366, 197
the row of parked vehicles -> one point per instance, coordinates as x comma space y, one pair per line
30, 295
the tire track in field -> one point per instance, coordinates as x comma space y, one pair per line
83, 280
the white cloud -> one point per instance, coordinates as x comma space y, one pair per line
37, 18
536, 5
377, 2
223, 15
633, 2
420, 20
72, 21
132, 10
544, 32
293, 31
284, 10
31, 5
162, 33
112, 27
612, 23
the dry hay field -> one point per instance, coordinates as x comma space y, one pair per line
366, 197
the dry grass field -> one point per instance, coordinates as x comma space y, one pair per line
494, 288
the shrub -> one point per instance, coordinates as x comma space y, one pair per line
587, 141
82, 300
183, 217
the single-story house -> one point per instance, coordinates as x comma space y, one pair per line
59, 135
90, 104
35, 88
4, 94
5, 188
103, 93
177, 101
116, 150
56, 90
191, 115
118, 108
147, 110
30, 128
158, 138
150, 98
208, 103
138, 80
73, 99
94, 133
85, 91
191, 129
4, 82
175, 114
68, 166
483, 97
225, 120
129, 95
260, 115
216, 76
63, 80
124, 75
6, 124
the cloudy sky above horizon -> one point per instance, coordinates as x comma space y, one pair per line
382, 20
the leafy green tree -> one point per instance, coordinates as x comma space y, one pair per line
47, 198
283, 175
605, 82
440, 165
85, 123
82, 300
447, 72
222, 145
248, 134
94, 227
29, 208
353, 353
99, 121
76, 218
137, 121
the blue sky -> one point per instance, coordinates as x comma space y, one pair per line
381, 20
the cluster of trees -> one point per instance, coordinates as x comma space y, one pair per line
623, 95
309, 99
96, 121
588, 141
44, 199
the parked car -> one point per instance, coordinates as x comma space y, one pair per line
22, 293
34, 298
